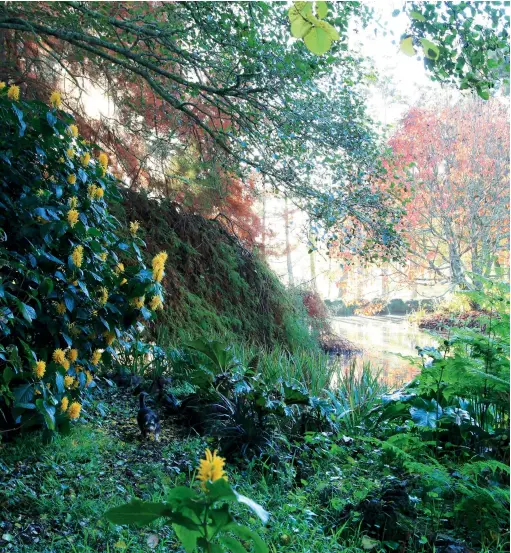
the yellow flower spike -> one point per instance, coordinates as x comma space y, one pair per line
39, 192
60, 307
74, 410
13, 93
103, 160
55, 99
70, 153
85, 159
99, 193
104, 295
96, 357
103, 256
159, 265
66, 364
119, 268
68, 381
59, 356
72, 355
134, 226
211, 468
156, 303
90, 378
2, 85
138, 302
73, 130
40, 369
64, 404
72, 217
77, 256
73, 202
71, 179
109, 337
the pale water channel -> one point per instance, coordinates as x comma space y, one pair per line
380, 338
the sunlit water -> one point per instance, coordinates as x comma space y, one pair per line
380, 338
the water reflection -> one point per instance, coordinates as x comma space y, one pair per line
380, 338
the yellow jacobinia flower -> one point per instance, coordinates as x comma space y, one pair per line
40, 369
72, 217
71, 179
70, 153
2, 85
64, 404
66, 364
55, 99
74, 410
72, 355
60, 307
103, 256
134, 226
211, 468
95, 192
103, 160
68, 381
77, 256
73, 130
85, 159
159, 265
14, 92
59, 356
104, 295
119, 268
96, 357
73, 202
99, 193
156, 303
138, 302
90, 378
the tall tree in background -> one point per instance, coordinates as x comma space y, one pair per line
458, 217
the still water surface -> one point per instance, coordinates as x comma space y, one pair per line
382, 337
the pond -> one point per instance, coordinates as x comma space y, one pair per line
380, 338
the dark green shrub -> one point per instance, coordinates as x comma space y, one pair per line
397, 307
65, 295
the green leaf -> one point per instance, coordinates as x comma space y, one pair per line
232, 545
483, 93
138, 513
187, 537
321, 9
300, 27
220, 518
220, 489
27, 312
431, 50
406, 46
247, 534
426, 413
417, 15
23, 393
48, 412
181, 492
8, 375
318, 41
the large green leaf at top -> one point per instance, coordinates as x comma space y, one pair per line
431, 50
426, 413
317, 41
406, 46
300, 27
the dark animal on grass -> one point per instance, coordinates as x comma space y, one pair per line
148, 420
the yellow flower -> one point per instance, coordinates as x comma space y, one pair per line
2, 85
211, 468
138, 302
40, 369
103, 160
59, 356
78, 368
123, 281
70, 153
14, 92
90, 378
73, 130
96, 357
60, 307
72, 217
66, 364
103, 256
134, 226
158, 266
85, 159
71, 179
39, 192
72, 355
64, 404
119, 268
156, 303
77, 256
104, 295
68, 381
73, 329
99, 193
74, 410
61, 160
109, 337
95, 192
73, 202
55, 99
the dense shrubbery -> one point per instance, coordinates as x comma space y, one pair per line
70, 286
397, 306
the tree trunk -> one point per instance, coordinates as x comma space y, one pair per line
291, 280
